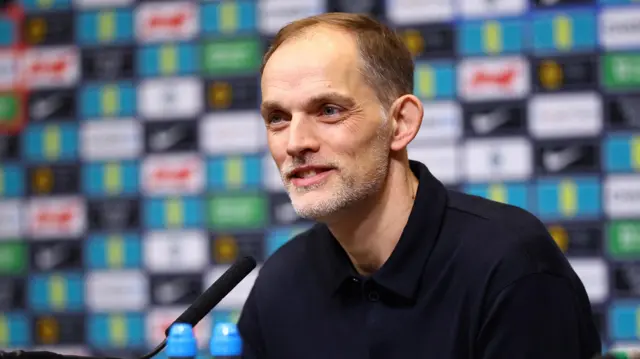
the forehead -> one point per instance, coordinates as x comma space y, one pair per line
322, 59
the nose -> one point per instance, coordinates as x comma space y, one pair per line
302, 137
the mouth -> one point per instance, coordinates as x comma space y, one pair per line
309, 175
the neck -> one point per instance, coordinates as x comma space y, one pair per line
371, 229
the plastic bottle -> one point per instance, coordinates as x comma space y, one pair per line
181, 342
225, 342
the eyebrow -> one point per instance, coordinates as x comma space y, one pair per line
328, 97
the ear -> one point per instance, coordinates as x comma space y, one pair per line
406, 113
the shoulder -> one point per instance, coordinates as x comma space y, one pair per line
504, 241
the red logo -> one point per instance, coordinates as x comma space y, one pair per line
171, 22
177, 175
50, 67
56, 68
496, 78
173, 175
504, 78
58, 219
168, 21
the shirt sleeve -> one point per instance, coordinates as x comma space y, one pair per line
538, 316
249, 329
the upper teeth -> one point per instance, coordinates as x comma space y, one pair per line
307, 174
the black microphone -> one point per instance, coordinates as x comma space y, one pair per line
216, 292
193, 315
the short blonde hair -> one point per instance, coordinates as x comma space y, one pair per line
387, 62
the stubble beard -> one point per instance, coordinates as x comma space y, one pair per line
350, 185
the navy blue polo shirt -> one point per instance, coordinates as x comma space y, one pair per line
469, 278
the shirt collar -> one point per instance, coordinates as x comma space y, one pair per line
403, 270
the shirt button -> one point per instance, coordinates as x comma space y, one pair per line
355, 280
374, 296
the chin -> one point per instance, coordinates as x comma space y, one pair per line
315, 207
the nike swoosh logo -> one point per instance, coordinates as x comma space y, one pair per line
45, 107
488, 122
164, 140
49, 258
630, 110
170, 292
559, 160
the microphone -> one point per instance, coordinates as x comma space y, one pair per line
193, 315
216, 292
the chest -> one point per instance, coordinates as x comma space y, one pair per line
371, 327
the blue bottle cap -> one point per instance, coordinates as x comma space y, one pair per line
225, 340
181, 341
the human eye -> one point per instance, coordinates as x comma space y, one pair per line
274, 118
330, 110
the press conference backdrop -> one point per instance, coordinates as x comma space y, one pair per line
134, 167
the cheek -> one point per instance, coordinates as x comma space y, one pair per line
278, 149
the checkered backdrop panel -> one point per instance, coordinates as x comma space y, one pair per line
134, 168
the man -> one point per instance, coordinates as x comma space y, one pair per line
397, 266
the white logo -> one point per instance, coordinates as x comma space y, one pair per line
170, 292
495, 78
117, 290
620, 28
622, 196
237, 297
56, 217
403, 12
111, 139
8, 70
45, 107
556, 161
165, 139
50, 67
51, 257
232, 132
274, 14
492, 8
443, 161
172, 174
176, 251
498, 159
485, 123
565, 115
10, 219
170, 98
593, 273
167, 21
442, 121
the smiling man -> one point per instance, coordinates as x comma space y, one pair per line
397, 266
